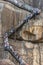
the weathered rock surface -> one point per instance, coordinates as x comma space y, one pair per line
31, 53
6, 62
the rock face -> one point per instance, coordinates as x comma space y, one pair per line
31, 53
9, 17
38, 3
6, 62
24, 49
